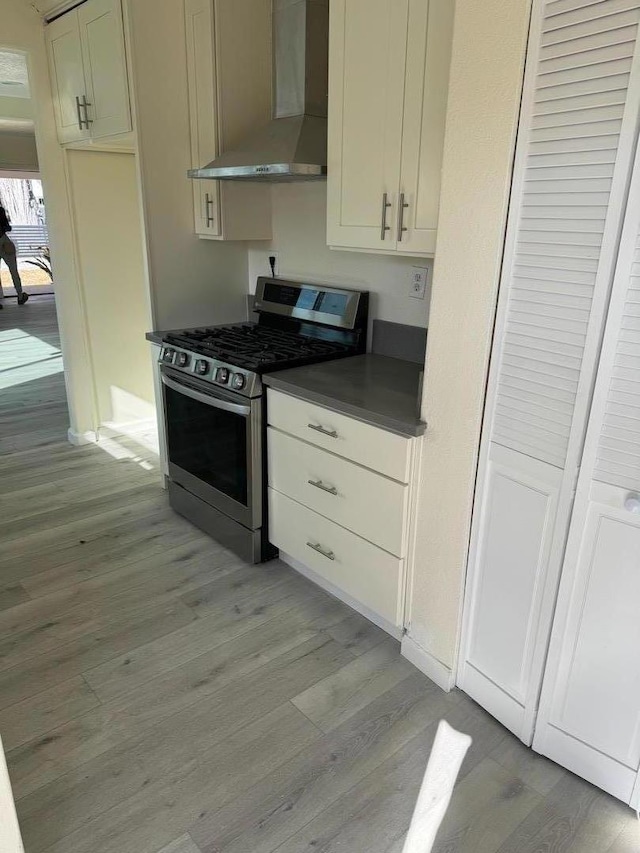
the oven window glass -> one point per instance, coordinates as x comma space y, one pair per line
208, 443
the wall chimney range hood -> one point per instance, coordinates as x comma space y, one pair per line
293, 146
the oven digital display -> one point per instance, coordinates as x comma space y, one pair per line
306, 298
333, 303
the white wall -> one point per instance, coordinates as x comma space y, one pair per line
110, 256
192, 281
486, 80
18, 151
21, 29
299, 229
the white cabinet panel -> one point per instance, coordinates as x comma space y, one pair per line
356, 567
362, 443
366, 91
430, 33
202, 112
102, 38
366, 503
67, 77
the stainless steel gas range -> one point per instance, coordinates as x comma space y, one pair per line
214, 402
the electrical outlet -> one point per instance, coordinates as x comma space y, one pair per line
418, 286
276, 268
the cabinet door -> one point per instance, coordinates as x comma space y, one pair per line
67, 76
202, 112
107, 91
425, 105
367, 51
589, 718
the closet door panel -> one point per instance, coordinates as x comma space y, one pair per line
518, 513
589, 716
573, 163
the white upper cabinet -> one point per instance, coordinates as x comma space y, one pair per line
230, 90
388, 80
89, 72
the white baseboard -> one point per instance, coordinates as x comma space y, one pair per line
336, 592
81, 438
427, 663
113, 430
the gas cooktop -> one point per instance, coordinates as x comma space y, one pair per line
255, 347
299, 324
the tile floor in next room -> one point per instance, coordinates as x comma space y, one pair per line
157, 694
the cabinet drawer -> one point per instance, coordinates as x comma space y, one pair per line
378, 449
371, 576
360, 500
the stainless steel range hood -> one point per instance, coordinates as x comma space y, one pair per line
293, 146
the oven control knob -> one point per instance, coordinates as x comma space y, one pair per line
168, 355
182, 359
202, 367
222, 376
239, 381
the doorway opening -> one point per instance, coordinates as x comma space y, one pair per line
23, 201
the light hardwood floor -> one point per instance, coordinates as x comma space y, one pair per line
157, 695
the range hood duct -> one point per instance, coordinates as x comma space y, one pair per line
293, 146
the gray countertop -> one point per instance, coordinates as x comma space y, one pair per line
376, 389
155, 337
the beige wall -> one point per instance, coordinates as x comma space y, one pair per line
486, 80
110, 255
192, 280
18, 151
21, 29
19, 108
300, 238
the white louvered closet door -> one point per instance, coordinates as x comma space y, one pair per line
589, 717
573, 162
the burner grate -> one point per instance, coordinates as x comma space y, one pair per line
253, 347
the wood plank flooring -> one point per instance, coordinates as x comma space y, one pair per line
157, 695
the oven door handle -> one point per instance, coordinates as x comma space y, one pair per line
208, 400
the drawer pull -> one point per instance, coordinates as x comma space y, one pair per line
320, 485
315, 546
330, 432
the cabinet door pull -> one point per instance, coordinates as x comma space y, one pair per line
402, 206
385, 204
315, 546
208, 202
79, 114
320, 485
85, 105
330, 432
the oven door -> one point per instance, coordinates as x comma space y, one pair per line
214, 443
